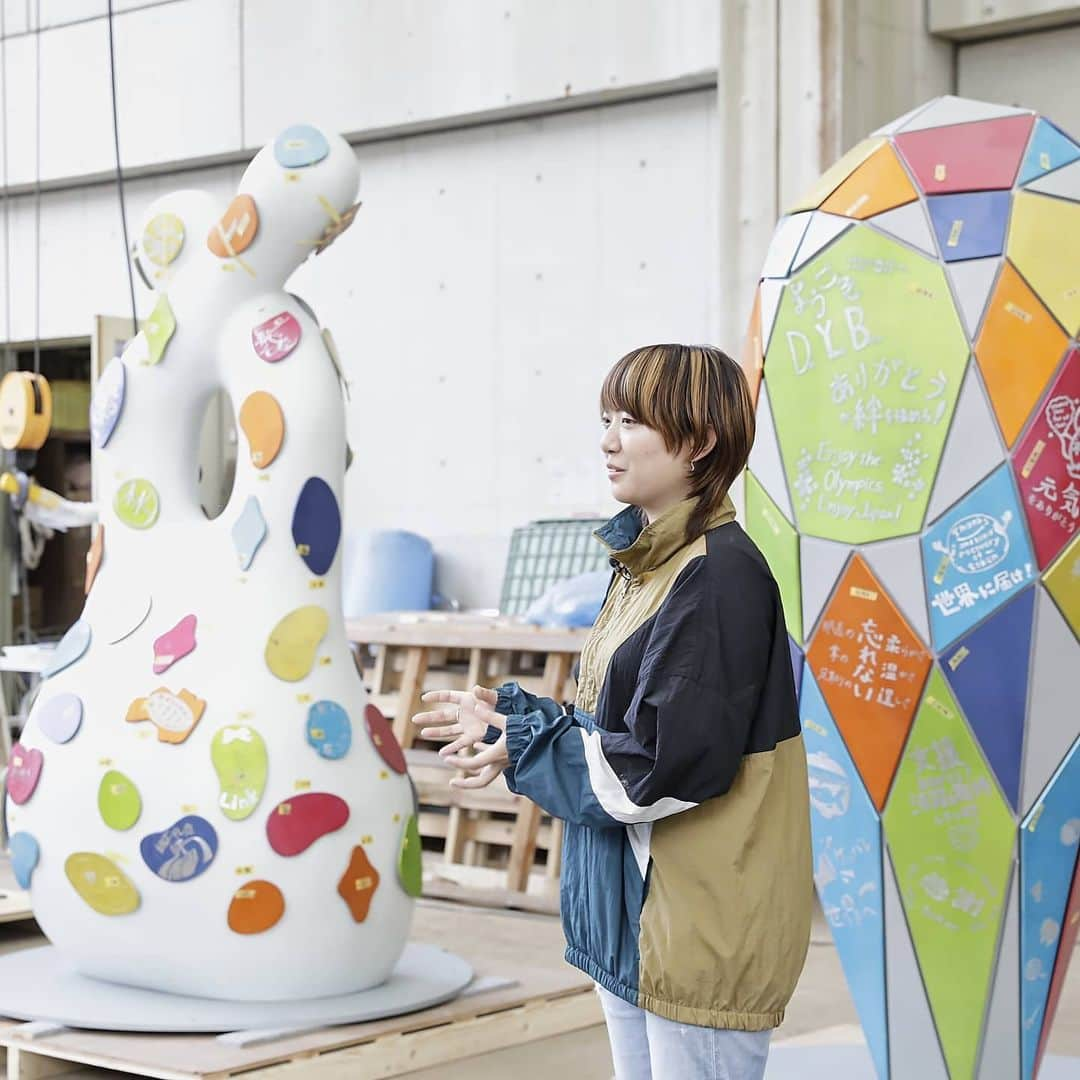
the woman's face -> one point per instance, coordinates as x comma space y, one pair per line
641, 469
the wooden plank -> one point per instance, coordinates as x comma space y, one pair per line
461, 633
412, 685
14, 905
524, 947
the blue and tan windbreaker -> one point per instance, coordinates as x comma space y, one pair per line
681, 775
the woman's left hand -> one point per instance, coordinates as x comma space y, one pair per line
481, 768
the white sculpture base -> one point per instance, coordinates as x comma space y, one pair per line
39, 984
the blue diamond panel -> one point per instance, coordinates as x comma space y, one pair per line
797, 662
970, 226
847, 865
975, 558
1049, 150
1049, 838
988, 672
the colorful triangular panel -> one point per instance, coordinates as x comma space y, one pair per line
822, 562
1070, 930
972, 281
1062, 582
779, 543
836, 174
752, 357
821, 232
988, 672
1065, 183
970, 225
975, 557
915, 1051
908, 223
870, 667
880, 183
1047, 464
785, 242
1049, 840
1001, 1044
953, 878
798, 662
972, 448
1044, 234
771, 291
765, 461
981, 156
1048, 150
1018, 348
951, 109
846, 836
897, 564
899, 123
1051, 724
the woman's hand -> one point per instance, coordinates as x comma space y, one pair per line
464, 722
483, 767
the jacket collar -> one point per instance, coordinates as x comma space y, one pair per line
642, 548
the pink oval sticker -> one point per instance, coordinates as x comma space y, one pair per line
274, 339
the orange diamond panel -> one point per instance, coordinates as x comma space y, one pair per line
878, 184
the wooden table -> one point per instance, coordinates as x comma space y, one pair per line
421, 633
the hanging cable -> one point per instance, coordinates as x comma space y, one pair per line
119, 171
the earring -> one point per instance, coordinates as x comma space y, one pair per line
692, 464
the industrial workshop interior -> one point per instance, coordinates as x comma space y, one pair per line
540, 538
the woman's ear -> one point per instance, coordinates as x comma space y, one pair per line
709, 446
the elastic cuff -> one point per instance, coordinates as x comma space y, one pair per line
507, 694
492, 735
518, 737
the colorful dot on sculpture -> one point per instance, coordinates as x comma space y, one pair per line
72, 647
410, 859
108, 402
276, 338
316, 525
60, 717
25, 852
163, 238
263, 422
182, 851
249, 532
119, 802
255, 907
237, 229
94, 556
299, 146
240, 759
329, 729
358, 884
24, 772
137, 504
383, 739
174, 715
175, 644
101, 883
158, 330
296, 823
293, 643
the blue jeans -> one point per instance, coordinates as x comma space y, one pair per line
645, 1046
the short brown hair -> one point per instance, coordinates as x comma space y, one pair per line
684, 392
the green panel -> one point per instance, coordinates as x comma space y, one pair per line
779, 543
951, 836
864, 368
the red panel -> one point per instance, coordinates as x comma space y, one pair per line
1070, 928
1047, 464
982, 156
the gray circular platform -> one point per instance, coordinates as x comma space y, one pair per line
855, 1063
38, 984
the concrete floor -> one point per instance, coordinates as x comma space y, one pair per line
820, 1012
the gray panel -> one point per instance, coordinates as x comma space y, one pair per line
972, 448
900, 121
972, 281
1052, 710
771, 291
820, 564
897, 564
822, 231
765, 462
908, 223
785, 242
1001, 1033
914, 1050
957, 110
1064, 182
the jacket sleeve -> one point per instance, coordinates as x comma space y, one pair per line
681, 737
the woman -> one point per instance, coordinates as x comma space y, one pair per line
680, 771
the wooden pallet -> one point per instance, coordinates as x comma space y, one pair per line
14, 905
548, 998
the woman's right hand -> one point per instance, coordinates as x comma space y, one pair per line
463, 721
